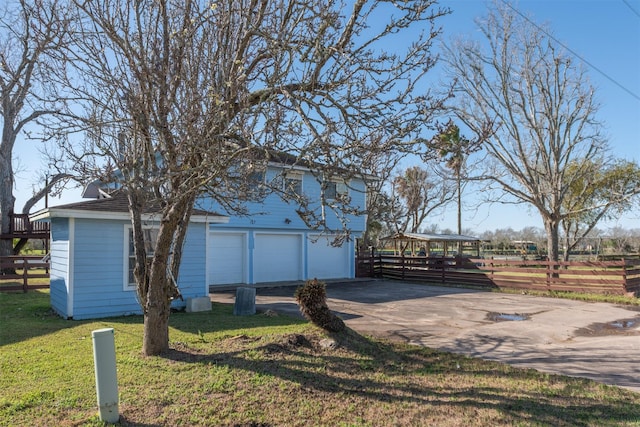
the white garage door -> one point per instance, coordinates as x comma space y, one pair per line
326, 261
227, 259
277, 257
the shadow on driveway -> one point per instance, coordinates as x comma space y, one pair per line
551, 339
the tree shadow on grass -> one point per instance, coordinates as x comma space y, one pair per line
221, 319
29, 315
411, 377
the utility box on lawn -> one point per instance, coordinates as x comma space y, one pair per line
198, 304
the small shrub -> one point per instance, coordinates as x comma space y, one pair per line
312, 299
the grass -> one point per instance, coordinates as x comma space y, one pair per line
577, 296
272, 371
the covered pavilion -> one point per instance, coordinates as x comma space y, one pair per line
428, 244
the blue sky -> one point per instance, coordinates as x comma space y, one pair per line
606, 33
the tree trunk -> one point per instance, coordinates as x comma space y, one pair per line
459, 189
7, 201
157, 305
552, 227
156, 325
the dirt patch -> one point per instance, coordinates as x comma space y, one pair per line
629, 327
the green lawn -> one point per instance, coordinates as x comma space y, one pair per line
271, 371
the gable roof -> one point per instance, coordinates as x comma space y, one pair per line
116, 206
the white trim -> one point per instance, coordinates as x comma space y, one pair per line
86, 214
245, 252
284, 166
322, 238
126, 286
207, 267
301, 236
343, 187
295, 175
70, 267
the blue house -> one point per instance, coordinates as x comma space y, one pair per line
92, 255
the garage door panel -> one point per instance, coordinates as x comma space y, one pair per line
327, 261
277, 257
227, 258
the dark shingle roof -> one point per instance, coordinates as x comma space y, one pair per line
116, 202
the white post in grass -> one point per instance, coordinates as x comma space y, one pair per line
104, 358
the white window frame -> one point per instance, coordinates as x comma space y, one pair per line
259, 178
341, 189
128, 256
288, 185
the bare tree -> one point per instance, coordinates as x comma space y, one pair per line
618, 240
30, 32
417, 194
184, 98
379, 165
542, 110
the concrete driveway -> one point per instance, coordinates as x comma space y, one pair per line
592, 340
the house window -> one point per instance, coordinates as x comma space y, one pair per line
256, 183
335, 190
150, 236
293, 184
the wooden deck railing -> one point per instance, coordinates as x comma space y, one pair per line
20, 224
25, 267
610, 277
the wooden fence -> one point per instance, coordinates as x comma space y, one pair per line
25, 267
610, 277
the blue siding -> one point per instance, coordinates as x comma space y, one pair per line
99, 269
59, 271
273, 211
91, 277
274, 215
192, 279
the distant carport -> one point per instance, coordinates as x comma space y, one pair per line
443, 244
